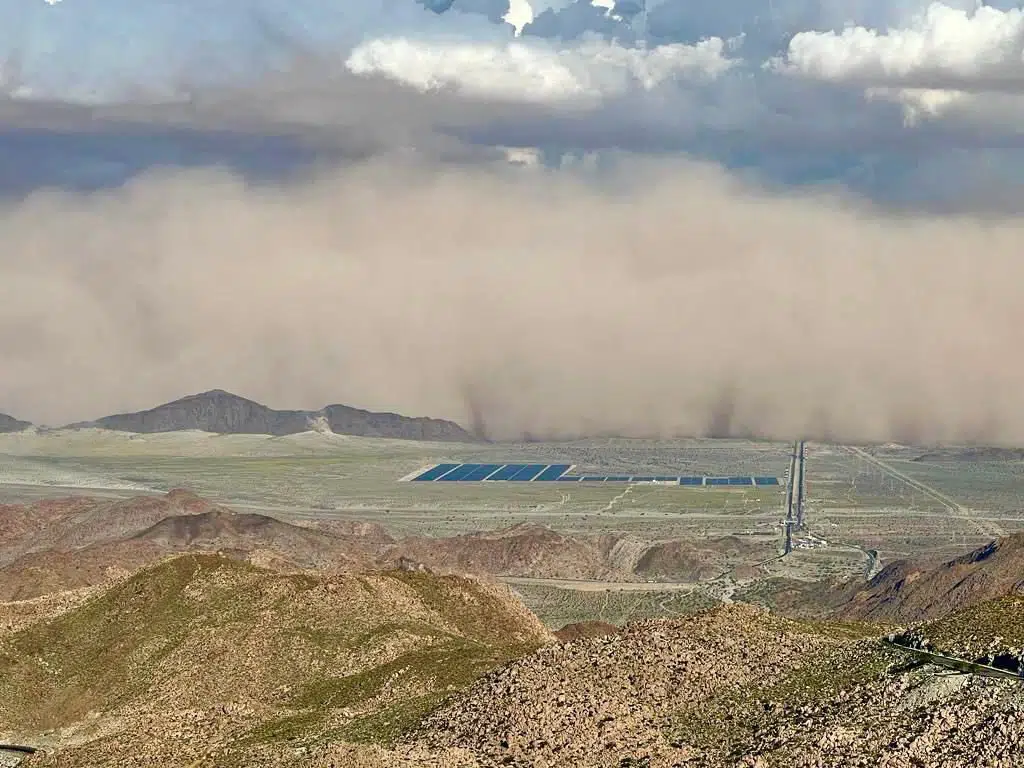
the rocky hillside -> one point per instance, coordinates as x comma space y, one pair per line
601, 701
739, 687
69, 543
224, 413
250, 537
531, 550
694, 560
903, 592
203, 660
522, 550
208, 656
75, 522
11, 424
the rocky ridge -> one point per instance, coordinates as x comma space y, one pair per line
11, 424
904, 592
377, 677
55, 545
225, 413
221, 647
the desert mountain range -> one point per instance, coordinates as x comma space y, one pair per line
222, 412
70, 543
205, 660
171, 630
56, 545
225, 413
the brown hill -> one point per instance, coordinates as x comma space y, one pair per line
903, 592
522, 550
74, 542
532, 550
585, 629
222, 529
606, 700
366, 531
204, 660
207, 661
225, 413
75, 522
243, 536
693, 560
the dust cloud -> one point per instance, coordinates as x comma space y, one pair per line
651, 301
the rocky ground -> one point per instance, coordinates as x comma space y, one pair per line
207, 659
734, 687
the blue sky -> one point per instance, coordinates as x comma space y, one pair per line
877, 96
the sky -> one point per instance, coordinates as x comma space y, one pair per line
881, 96
201, 156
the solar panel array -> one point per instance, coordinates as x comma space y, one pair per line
526, 473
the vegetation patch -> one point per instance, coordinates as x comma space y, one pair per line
730, 724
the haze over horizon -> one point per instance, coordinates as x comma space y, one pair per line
802, 221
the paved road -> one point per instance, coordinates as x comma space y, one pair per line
986, 527
583, 585
958, 664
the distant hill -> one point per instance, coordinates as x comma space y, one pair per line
904, 592
11, 424
207, 654
522, 550
248, 537
980, 453
52, 546
225, 413
75, 522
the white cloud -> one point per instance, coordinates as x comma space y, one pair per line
520, 13
919, 103
944, 48
536, 72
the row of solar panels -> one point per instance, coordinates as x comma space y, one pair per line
467, 473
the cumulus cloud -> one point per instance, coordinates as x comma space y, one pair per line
643, 301
531, 72
945, 48
946, 60
450, 77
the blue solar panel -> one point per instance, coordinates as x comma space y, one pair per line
554, 472
481, 472
528, 472
459, 473
435, 472
506, 472
472, 472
